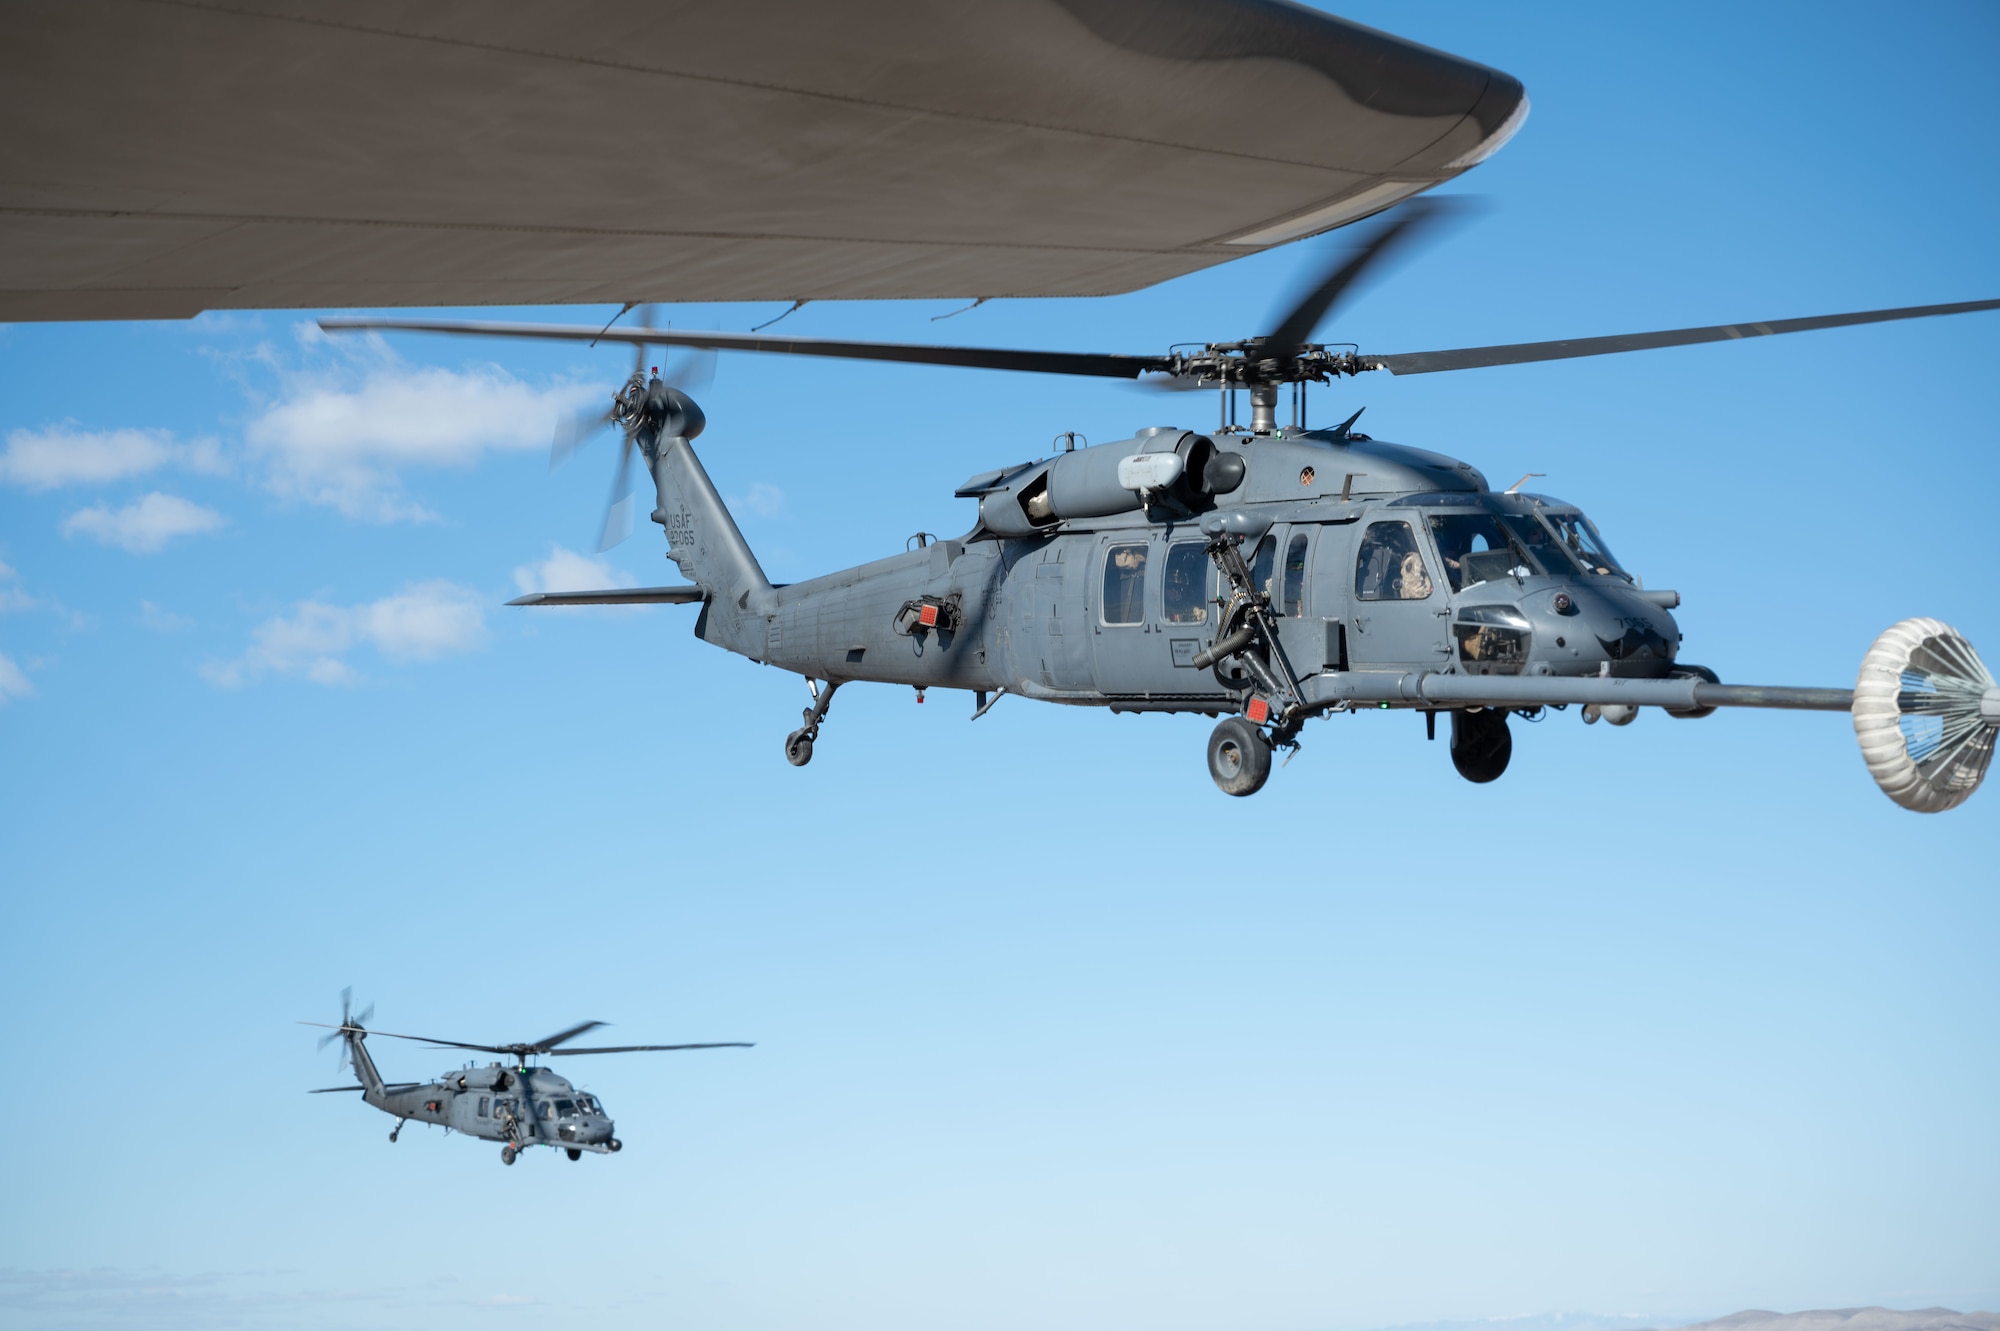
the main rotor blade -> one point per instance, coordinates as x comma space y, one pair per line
978, 358
387, 1086
1519, 353
1411, 222
650, 1048
425, 1039
549, 1042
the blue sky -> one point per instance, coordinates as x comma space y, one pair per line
1672, 1020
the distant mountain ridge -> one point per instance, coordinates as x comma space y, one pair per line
1754, 1319
1853, 1319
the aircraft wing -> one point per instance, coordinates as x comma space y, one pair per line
168, 158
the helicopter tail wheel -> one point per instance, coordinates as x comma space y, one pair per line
507, 1155
1239, 757
1926, 711
799, 748
1481, 746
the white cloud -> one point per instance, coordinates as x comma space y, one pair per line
11, 595
145, 525
344, 443
66, 454
423, 622
766, 501
13, 680
567, 571
163, 621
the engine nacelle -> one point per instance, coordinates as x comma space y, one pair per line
482, 1079
1108, 479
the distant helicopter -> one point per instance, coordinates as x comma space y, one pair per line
1266, 574
514, 1103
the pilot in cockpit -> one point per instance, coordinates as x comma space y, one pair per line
1412, 582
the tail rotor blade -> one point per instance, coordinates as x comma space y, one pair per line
572, 432
328, 1038
646, 313
692, 373
618, 509
346, 1002
366, 1015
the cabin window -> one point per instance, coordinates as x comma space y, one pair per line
482, 1105
1260, 564
1186, 581
545, 1108
1293, 601
1125, 584
1389, 566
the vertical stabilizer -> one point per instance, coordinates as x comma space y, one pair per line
704, 540
364, 1066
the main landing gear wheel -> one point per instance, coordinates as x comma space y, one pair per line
1239, 757
1480, 744
799, 744
575, 1154
507, 1154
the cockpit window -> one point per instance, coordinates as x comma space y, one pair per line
1187, 578
1479, 547
1388, 567
589, 1103
564, 1108
1579, 536
1125, 584
545, 1107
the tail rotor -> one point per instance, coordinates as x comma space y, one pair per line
658, 405
351, 1022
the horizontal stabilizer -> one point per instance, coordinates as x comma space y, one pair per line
616, 596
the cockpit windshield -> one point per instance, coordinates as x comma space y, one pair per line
1479, 547
1579, 536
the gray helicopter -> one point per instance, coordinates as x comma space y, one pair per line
1259, 572
514, 1103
